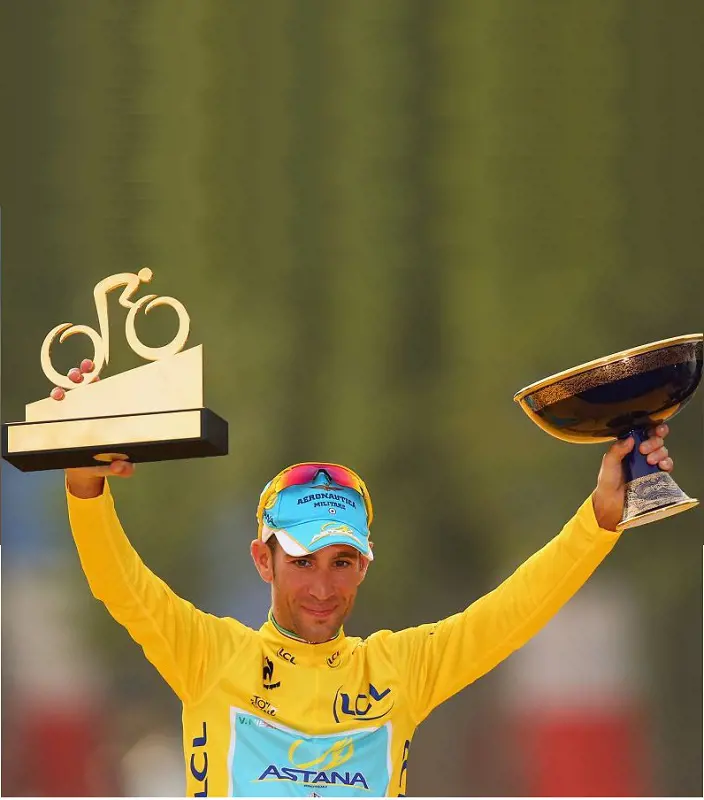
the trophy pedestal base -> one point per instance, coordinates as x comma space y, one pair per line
652, 497
657, 513
160, 436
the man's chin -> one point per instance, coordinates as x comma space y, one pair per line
317, 631
317, 634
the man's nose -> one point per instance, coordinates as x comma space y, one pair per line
321, 587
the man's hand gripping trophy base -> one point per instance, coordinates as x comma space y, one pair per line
87, 482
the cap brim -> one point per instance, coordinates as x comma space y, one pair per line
310, 536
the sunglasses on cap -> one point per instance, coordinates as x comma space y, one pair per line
302, 474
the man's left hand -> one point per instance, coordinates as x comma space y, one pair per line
610, 493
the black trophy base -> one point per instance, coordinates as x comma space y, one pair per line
160, 436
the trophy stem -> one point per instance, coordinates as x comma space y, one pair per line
651, 494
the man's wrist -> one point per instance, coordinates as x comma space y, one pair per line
608, 515
85, 488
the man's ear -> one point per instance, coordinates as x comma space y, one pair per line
364, 563
263, 560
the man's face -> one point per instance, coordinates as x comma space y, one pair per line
312, 595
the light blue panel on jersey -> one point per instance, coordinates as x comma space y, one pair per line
269, 760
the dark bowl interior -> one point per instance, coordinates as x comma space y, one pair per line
612, 399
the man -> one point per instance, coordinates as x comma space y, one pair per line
297, 708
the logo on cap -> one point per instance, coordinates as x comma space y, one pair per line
337, 529
326, 481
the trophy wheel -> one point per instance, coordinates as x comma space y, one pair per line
175, 345
65, 330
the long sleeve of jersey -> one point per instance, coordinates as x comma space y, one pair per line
442, 658
187, 646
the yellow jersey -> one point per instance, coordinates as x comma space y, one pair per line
265, 714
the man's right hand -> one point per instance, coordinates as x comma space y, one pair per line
87, 482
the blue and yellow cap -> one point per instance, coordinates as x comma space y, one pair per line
305, 518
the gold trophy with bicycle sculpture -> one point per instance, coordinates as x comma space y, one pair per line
154, 412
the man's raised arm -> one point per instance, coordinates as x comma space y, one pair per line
187, 646
438, 660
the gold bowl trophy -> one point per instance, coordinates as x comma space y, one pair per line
154, 412
620, 395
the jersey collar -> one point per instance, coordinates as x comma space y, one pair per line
296, 638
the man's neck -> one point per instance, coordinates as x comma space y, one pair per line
293, 634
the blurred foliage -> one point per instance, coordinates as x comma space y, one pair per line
384, 218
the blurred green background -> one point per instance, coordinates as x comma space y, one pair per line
384, 217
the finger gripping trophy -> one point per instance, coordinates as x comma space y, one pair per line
620, 395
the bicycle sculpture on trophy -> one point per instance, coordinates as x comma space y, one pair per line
153, 412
